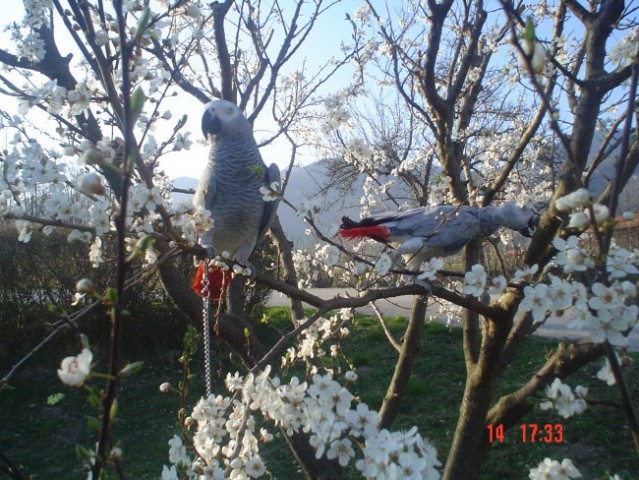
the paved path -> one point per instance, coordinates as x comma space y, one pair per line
554, 327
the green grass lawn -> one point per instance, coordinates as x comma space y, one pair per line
42, 438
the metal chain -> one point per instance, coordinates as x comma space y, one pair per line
206, 327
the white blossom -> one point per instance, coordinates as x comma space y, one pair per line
383, 264
169, 473
475, 281
536, 301
74, 371
560, 397
429, 269
342, 450
601, 212
553, 470
578, 198
90, 184
270, 193
177, 451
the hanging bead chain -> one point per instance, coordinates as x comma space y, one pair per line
206, 327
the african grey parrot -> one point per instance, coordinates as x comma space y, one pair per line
230, 189
423, 233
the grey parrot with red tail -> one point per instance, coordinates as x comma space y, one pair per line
423, 233
229, 188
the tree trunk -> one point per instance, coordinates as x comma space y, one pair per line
404, 367
468, 449
482, 351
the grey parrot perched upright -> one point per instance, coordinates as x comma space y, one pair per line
423, 233
230, 189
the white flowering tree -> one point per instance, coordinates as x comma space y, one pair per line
100, 96
90, 83
517, 104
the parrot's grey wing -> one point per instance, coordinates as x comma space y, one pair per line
449, 229
419, 222
457, 230
206, 189
271, 175
204, 198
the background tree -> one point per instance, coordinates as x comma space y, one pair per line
449, 62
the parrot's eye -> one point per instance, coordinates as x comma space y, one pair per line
230, 110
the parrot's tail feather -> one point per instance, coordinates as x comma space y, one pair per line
376, 232
217, 281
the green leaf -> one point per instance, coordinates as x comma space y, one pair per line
94, 401
84, 340
114, 410
83, 453
137, 100
55, 398
143, 23
111, 295
94, 423
257, 169
145, 242
530, 30
131, 369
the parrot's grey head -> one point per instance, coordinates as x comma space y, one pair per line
524, 220
223, 117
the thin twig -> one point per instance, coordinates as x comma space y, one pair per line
384, 325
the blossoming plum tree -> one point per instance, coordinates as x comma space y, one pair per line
486, 106
447, 62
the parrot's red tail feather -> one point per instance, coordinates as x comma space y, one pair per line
217, 281
376, 232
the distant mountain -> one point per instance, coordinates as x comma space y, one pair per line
629, 198
306, 182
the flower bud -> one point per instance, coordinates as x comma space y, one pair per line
90, 184
578, 220
601, 212
350, 376
85, 286
92, 157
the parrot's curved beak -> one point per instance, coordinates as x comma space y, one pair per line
211, 124
530, 229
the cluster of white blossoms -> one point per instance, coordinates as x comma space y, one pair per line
577, 203
476, 282
336, 111
33, 176
624, 53
311, 343
561, 398
322, 260
227, 441
607, 309
553, 470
